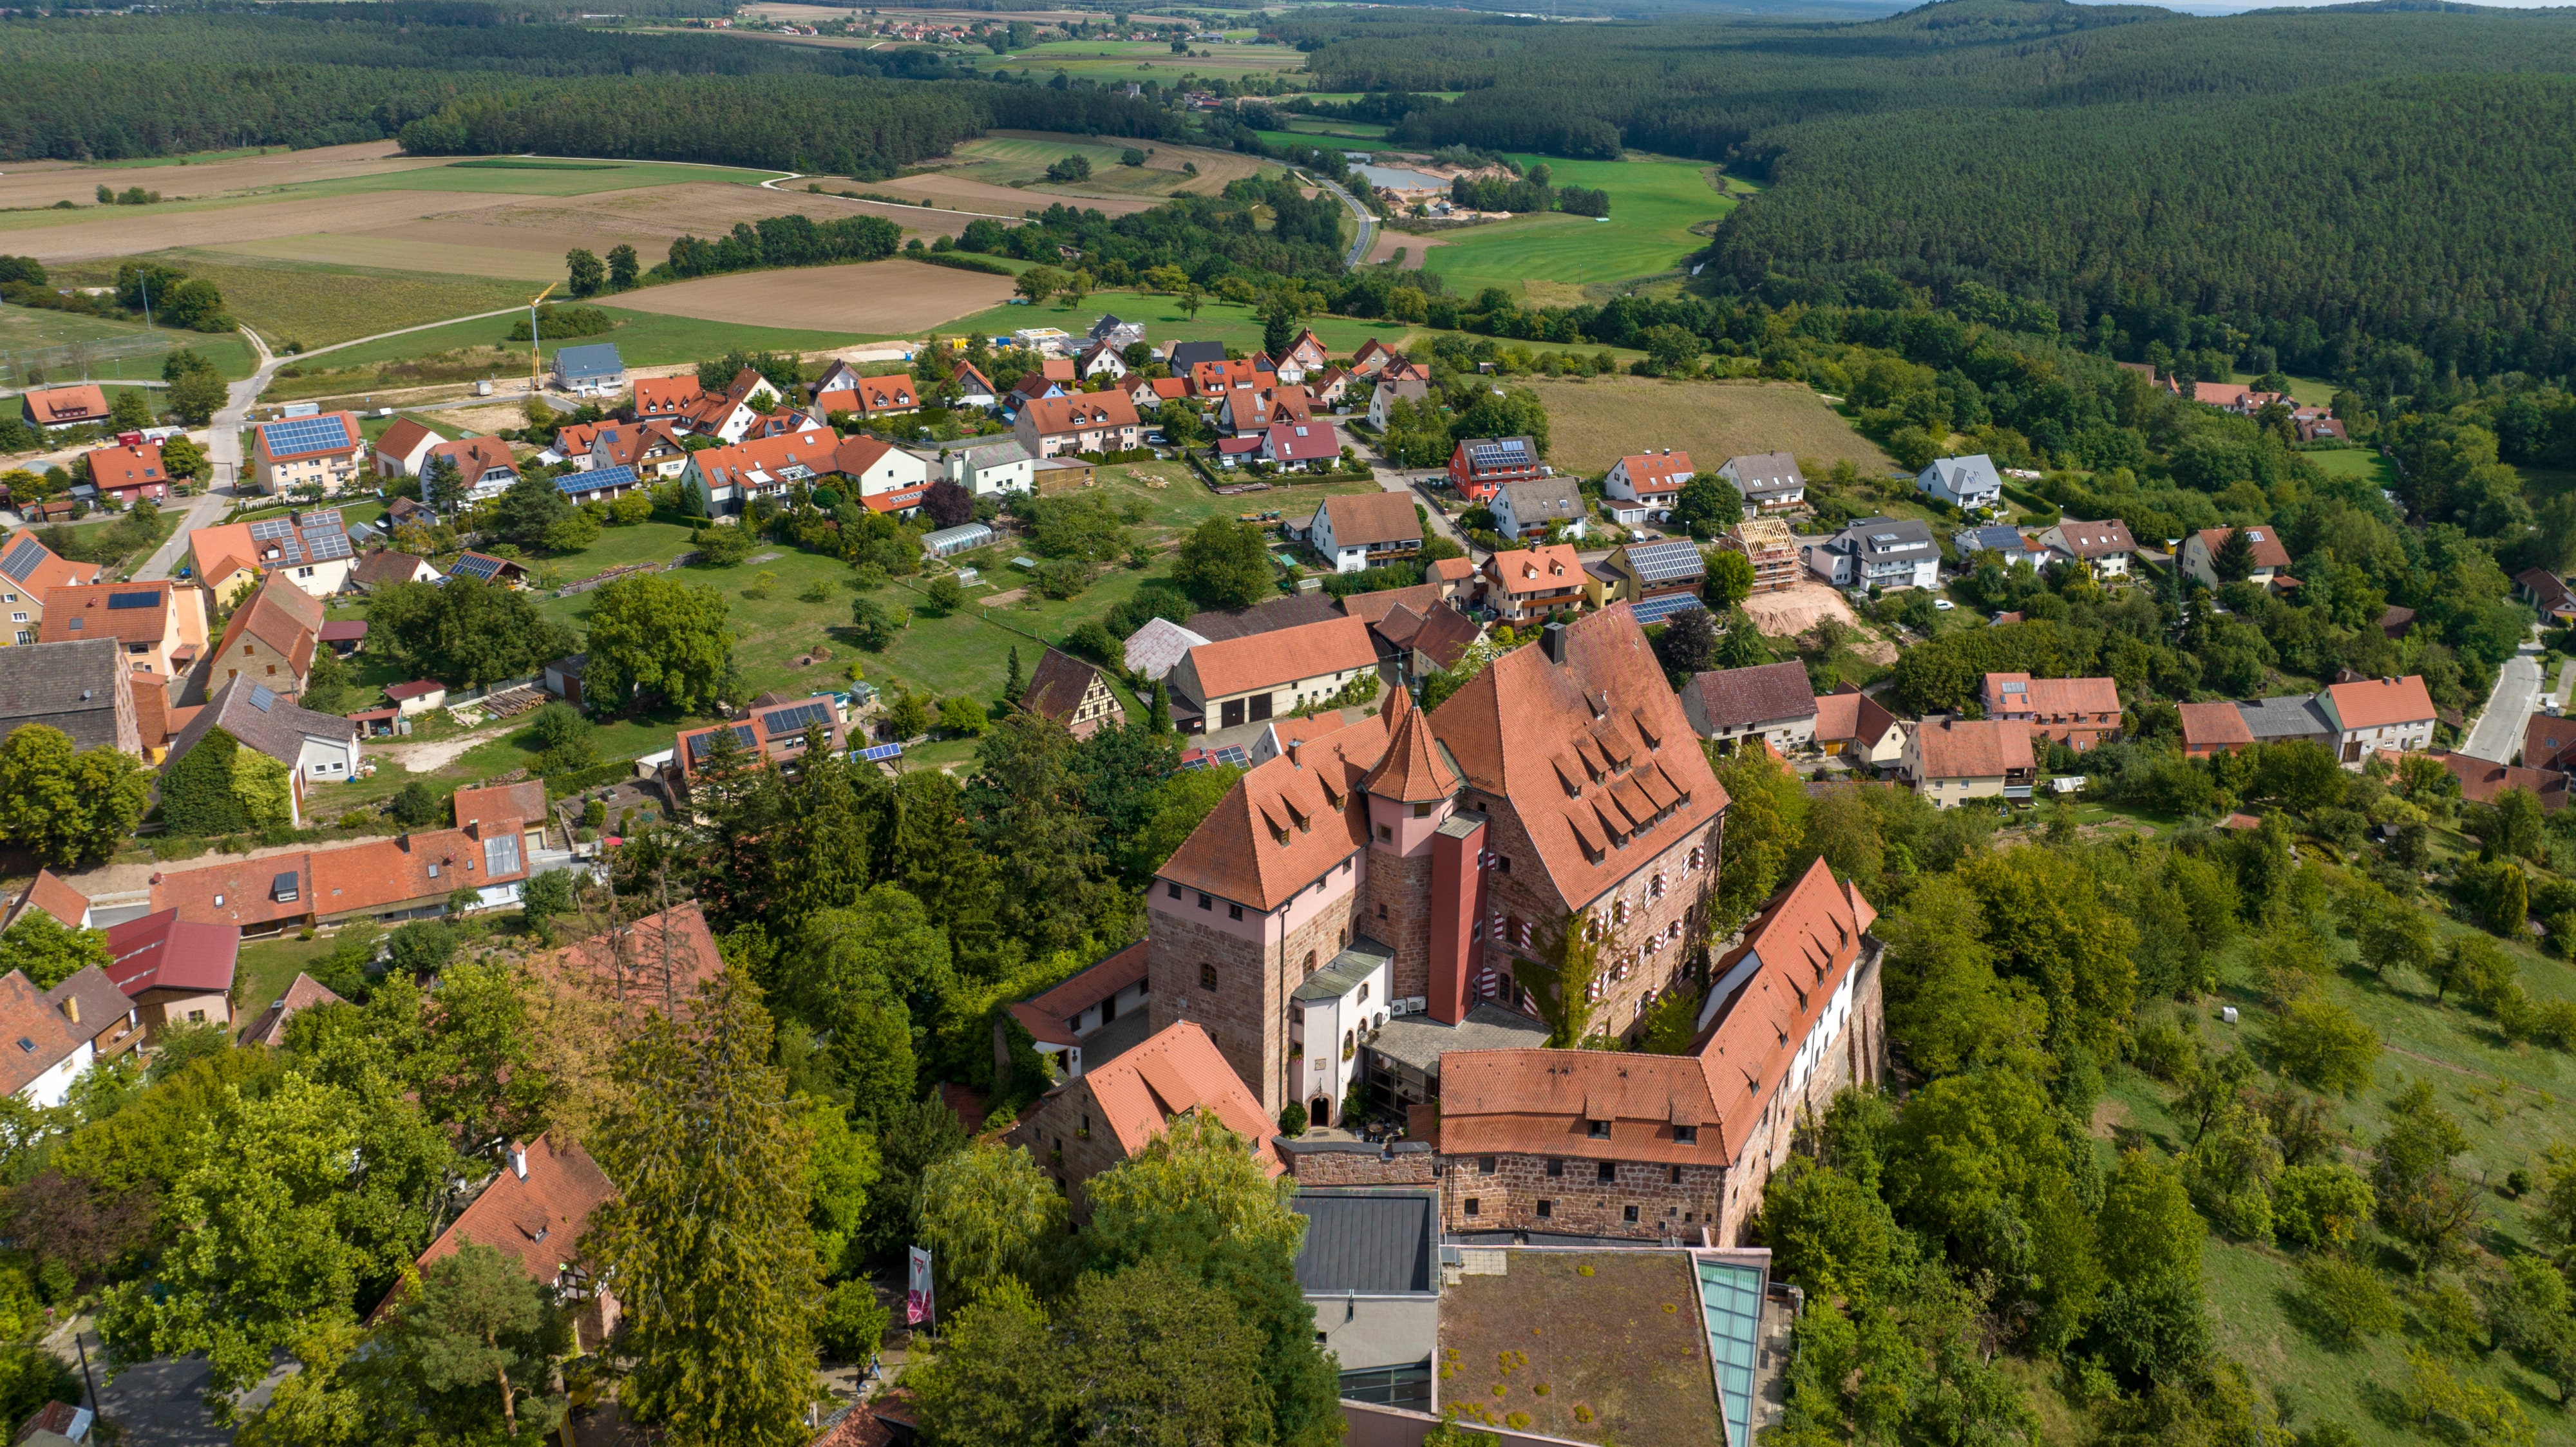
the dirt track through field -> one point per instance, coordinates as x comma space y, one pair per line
892, 298
986, 198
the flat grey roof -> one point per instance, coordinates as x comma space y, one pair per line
1345, 972
1420, 1041
2276, 718
1375, 1241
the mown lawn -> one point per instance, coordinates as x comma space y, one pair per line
1653, 206
70, 345
643, 339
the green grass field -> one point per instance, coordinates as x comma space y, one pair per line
531, 180
2355, 462
1149, 60
645, 340
1653, 206
316, 304
70, 344
1006, 161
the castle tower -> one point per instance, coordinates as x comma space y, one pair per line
1412, 791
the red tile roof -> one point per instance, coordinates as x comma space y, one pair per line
1080, 411
2548, 741
1954, 748
39, 1018
475, 456
771, 456
76, 613
2268, 552
2213, 726
408, 433
2481, 781
1413, 769
523, 803
1739, 697
1304, 442
269, 1028
627, 968
1311, 650
1215, 379
1172, 1072
1285, 822
538, 1218
63, 406
2051, 698
2097, 539
164, 952
362, 875
1851, 717
49, 893
1535, 570
45, 571
1045, 1013
1656, 471
114, 468
2379, 702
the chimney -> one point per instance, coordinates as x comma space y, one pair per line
1294, 746
1551, 641
518, 1160
71, 1008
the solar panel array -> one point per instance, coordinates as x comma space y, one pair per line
261, 698
324, 539
477, 565
881, 752
269, 530
704, 744
22, 559
781, 722
299, 435
1661, 562
596, 480
501, 854
1659, 610
1498, 454
147, 599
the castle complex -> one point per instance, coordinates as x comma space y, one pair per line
1357, 917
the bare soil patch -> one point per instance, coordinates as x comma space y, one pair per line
27, 185
128, 230
1598, 420
1798, 608
986, 199
887, 297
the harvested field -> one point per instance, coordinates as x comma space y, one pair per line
96, 232
983, 198
455, 248
1414, 247
1159, 176
1595, 421
882, 297
317, 305
29, 185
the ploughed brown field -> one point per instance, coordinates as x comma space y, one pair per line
42, 183
890, 298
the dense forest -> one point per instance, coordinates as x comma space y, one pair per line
2323, 181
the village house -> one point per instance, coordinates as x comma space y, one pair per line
987, 465
323, 452
888, 478
79, 688
1074, 694
572, 444
1770, 547
1114, 1109
60, 1033
2548, 593
404, 446
871, 398
593, 370
1372, 358
1384, 396
1967, 483
1661, 578
308, 548
1855, 726
1097, 422
2481, 780
973, 388
2105, 547
129, 472
535, 1211
1099, 361
2212, 728
1646, 483
416, 876
2008, 546
771, 732
494, 805
1034, 386
1236, 681
1302, 446
2271, 561
1078, 1023
2076, 712
1772, 702
1531, 585
1356, 533
1304, 355
1480, 467
1879, 552
726, 479
690, 409
160, 628
2378, 715
174, 972
268, 1027
1530, 507
650, 450
270, 639
1951, 761
1259, 409
28, 571
598, 484
484, 466
1330, 388
316, 748
490, 568
1769, 482
57, 408
1221, 378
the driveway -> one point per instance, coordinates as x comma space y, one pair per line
2497, 735
1392, 479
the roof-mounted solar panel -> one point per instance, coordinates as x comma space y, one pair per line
149, 599
22, 559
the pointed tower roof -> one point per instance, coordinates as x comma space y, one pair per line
1414, 769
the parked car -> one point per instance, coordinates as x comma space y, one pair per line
1943, 604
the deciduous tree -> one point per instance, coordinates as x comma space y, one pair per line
989, 1216
653, 635
65, 806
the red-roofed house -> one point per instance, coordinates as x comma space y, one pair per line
2212, 728
1244, 680
48, 892
1531, 585
174, 970
406, 444
726, 479
1083, 422
382, 879
1951, 761
2379, 715
1302, 445
55, 408
2078, 712
2481, 780
535, 1211
1646, 482
879, 468
128, 471
1851, 723
1219, 379
269, 1026
2200, 554
1060, 1018
28, 570
1112, 1112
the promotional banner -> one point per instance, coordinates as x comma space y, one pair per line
916, 1296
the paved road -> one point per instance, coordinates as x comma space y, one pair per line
2497, 734
1391, 479
1359, 214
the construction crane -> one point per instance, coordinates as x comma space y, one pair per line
532, 336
